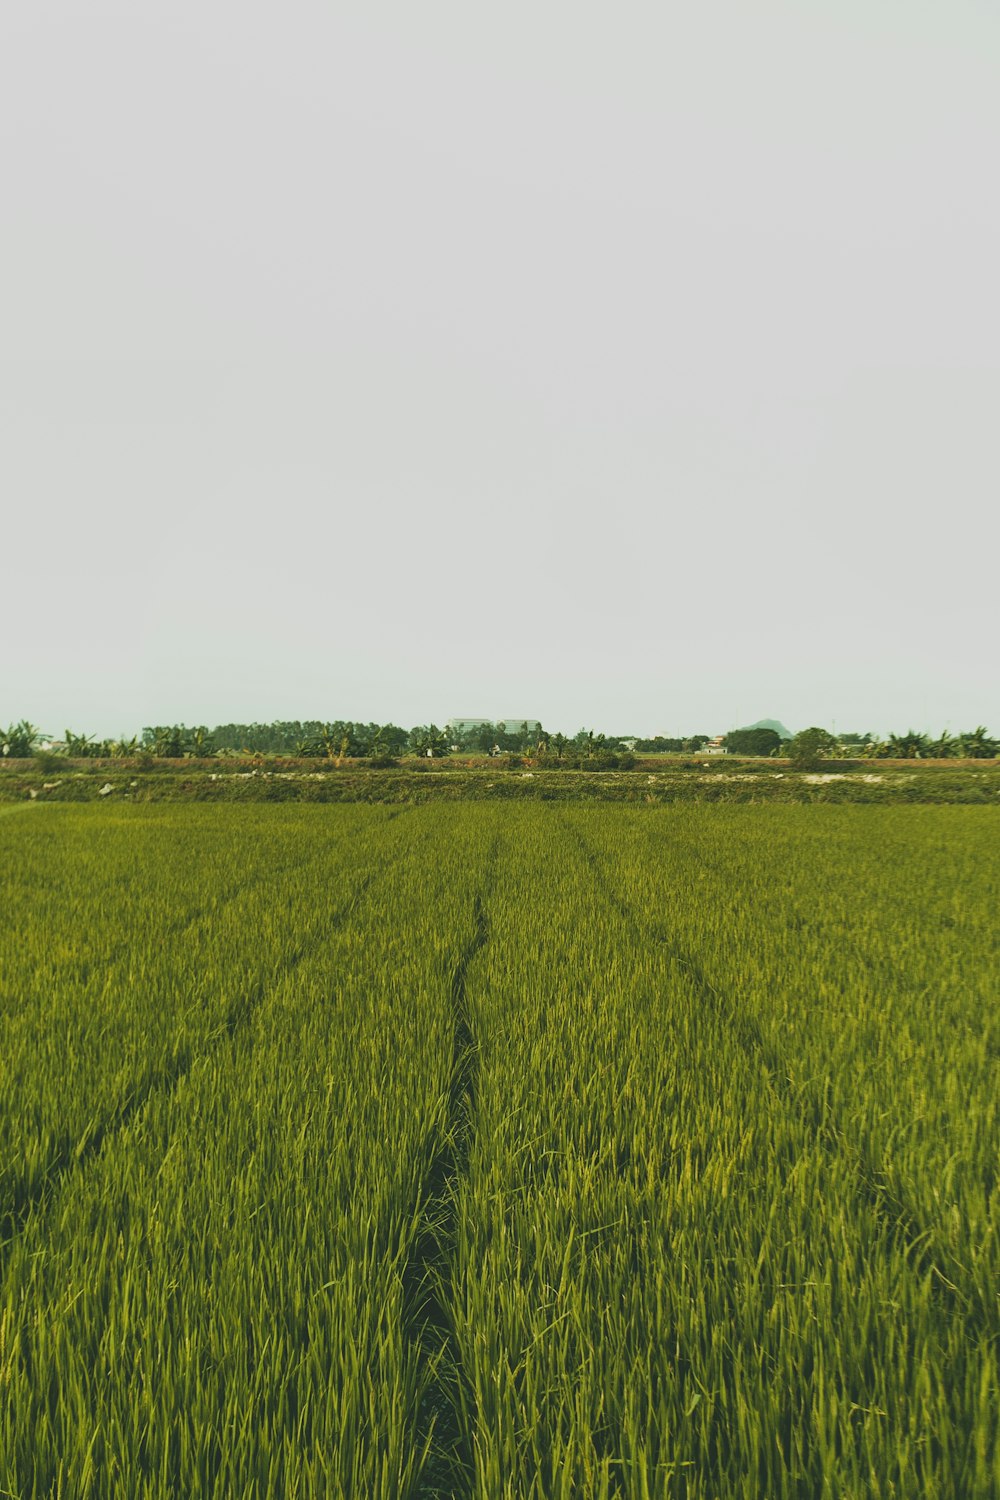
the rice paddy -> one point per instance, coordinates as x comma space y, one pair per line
494, 1150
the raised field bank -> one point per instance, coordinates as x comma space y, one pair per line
657, 779
491, 1149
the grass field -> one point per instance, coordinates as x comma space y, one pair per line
500, 1150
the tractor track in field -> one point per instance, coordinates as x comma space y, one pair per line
36, 1197
449, 1469
897, 1217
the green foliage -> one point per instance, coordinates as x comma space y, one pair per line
909, 746
522, 1151
208, 1185
665, 745
513, 736
165, 741
592, 779
809, 746
429, 741
753, 742
312, 737
18, 740
976, 744
601, 759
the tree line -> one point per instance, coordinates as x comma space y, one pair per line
345, 739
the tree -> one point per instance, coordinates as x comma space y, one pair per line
428, 740
201, 741
165, 740
809, 746
752, 741
660, 744
510, 737
482, 738
393, 738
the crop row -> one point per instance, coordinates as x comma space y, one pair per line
672, 1278
213, 1304
84, 1041
866, 987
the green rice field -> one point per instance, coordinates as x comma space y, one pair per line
529, 1150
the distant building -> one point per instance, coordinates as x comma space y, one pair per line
714, 746
512, 725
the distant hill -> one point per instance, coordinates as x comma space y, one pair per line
775, 724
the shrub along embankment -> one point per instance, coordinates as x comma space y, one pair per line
653, 782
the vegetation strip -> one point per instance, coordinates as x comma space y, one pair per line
656, 782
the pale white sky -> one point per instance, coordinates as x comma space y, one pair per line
633, 365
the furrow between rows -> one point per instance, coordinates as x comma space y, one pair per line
446, 1420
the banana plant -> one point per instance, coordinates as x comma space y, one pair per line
199, 741
80, 746
977, 745
944, 747
19, 739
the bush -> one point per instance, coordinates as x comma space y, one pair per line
809, 747
607, 760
